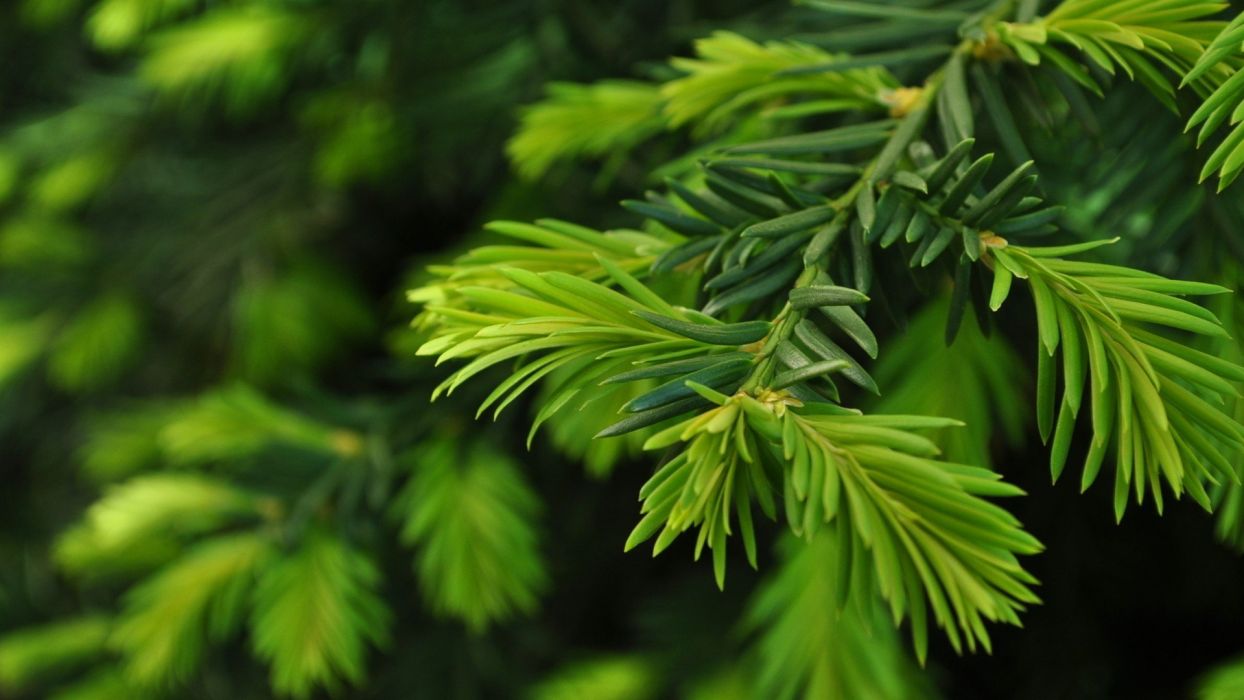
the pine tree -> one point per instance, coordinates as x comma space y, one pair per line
796, 326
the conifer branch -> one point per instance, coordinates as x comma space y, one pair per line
821, 188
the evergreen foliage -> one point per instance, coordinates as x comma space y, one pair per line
795, 328
470, 516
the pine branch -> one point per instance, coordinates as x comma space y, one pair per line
118, 24
733, 331
608, 118
777, 226
139, 521
1138, 381
1228, 498
942, 202
200, 597
571, 431
316, 612
238, 421
817, 639
731, 73
97, 345
238, 55
470, 517
730, 78
551, 246
972, 381
286, 326
1138, 38
922, 520
1149, 41
1220, 59
33, 654
588, 329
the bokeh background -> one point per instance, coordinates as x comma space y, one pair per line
209, 215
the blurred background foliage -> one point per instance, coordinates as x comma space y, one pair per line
222, 478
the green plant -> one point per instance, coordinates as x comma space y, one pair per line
808, 208
804, 323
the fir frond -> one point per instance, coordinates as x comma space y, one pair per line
22, 339
118, 24
143, 517
926, 522
756, 294
731, 72
1222, 106
721, 470
238, 421
574, 323
316, 612
602, 678
230, 423
971, 381
1146, 391
731, 78
573, 432
34, 654
938, 209
1139, 39
361, 139
471, 518
929, 531
200, 597
42, 242
815, 639
608, 118
120, 443
97, 345
768, 233
550, 246
1228, 498
291, 324
70, 183
239, 54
